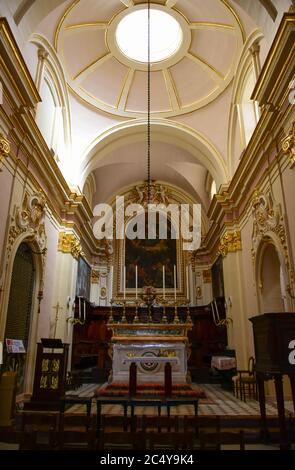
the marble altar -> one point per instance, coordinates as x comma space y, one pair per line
150, 359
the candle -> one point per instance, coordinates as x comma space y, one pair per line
175, 283
84, 313
136, 278
79, 307
187, 283
111, 281
163, 282
124, 282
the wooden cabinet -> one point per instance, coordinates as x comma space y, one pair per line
274, 341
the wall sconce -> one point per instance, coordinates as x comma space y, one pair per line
228, 302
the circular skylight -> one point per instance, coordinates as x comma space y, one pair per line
132, 35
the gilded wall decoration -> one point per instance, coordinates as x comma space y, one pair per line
69, 243
158, 194
105, 250
230, 242
95, 275
27, 224
267, 220
288, 144
29, 220
31, 214
103, 293
4, 149
207, 276
199, 292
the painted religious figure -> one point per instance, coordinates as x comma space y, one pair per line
150, 256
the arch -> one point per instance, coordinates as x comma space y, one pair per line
35, 305
265, 7
271, 275
89, 189
52, 74
19, 315
245, 68
166, 131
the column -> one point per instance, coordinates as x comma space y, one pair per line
69, 250
254, 50
230, 248
42, 56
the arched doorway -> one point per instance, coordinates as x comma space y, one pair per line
272, 281
19, 312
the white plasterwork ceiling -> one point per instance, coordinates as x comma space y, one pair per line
197, 73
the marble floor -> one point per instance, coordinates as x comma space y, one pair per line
217, 402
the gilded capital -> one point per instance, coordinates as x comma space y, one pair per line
4, 148
69, 243
230, 242
288, 144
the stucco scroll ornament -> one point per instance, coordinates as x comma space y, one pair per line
31, 215
28, 222
105, 250
288, 144
267, 220
4, 149
29, 219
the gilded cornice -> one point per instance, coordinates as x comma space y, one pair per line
4, 149
69, 243
288, 144
28, 92
230, 242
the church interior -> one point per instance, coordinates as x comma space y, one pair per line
108, 339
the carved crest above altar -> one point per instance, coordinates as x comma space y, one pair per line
158, 194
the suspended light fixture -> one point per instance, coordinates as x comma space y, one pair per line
149, 106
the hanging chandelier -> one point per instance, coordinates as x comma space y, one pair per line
149, 106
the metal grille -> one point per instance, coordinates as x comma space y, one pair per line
20, 298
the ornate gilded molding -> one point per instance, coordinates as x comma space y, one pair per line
95, 275
105, 250
31, 214
28, 224
288, 144
4, 149
268, 221
103, 293
207, 276
266, 218
69, 243
230, 242
158, 194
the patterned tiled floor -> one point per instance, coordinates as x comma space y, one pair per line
219, 402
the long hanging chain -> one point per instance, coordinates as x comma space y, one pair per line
149, 107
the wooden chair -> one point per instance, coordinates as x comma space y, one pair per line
110, 423
195, 423
245, 382
170, 440
121, 441
216, 440
160, 424
76, 432
38, 430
